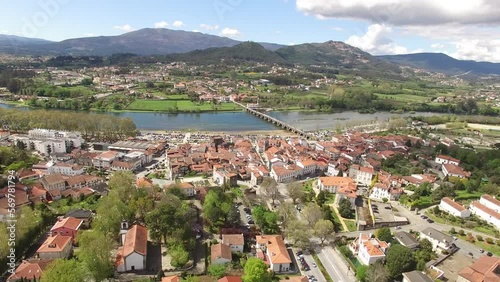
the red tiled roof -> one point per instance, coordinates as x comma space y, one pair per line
220, 251
489, 198
174, 278
30, 269
230, 279
54, 244
485, 209
68, 222
136, 240
485, 269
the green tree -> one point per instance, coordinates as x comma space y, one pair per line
324, 230
321, 198
62, 270
256, 271
270, 188
295, 191
95, 250
286, 213
312, 213
377, 273
179, 255
298, 234
217, 270
399, 259
345, 209
168, 218
384, 234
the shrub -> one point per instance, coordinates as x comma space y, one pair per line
479, 238
498, 242
453, 231
461, 232
489, 240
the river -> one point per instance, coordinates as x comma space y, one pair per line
243, 121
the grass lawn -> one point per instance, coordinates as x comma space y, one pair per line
336, 218
330, 198
181, 105
493, 248
464, 195
486, 229
351, 225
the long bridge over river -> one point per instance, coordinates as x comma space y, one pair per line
275, 121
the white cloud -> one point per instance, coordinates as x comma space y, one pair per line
230, 32
89, 34
376, 41
162, 24
125, 27
406, 12
209, 27
336, 28
3, 31
195, 30
437, 46
177, 24
477, 50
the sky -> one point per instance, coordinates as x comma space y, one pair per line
464, 29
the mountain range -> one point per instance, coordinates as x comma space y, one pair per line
187, 45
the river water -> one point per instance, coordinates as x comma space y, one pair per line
243, 121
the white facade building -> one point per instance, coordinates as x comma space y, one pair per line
486, 214
439, 240
450, 206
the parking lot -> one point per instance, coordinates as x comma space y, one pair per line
305, 262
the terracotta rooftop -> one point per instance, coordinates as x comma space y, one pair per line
485, 209
233, 239
220, 251
230, 279
337, 181
491, 199
454, 204
68, 222
30, 269
136, 240
54, 244
485, 269
277, 251
174, 278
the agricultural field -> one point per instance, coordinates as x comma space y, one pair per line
407, 98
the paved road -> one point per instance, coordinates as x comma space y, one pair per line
335, 265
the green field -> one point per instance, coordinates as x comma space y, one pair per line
404, 98
179, 106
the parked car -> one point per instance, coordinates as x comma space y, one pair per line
481, 251
489, 254
314, 264
430, 220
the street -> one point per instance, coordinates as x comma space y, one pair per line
335, 265
313, 270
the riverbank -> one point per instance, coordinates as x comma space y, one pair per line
215, 133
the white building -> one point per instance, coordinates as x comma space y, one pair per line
490, 202
486, 214
368, 250
450, 206
285, 173
308, 166
220, 254
235, 241
362, 175
133, 252
333, 184
439, 240
443, 159
64, 168
47, 141
381, 191
455, 171
277, 254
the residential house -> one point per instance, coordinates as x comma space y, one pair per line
276, 252
490, 202
406, 239
361, 174
235, 241
187, 188
450, 206
105, 159
56, 247
68, 226
284, 173
308, 166
230, 279
53, 182
381, 191
416, 276
454, 170
485, 213
25, 174
84, 215
485, 269
439, 240
443, 159
220, 254
29, 270
368, 250
133, 252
